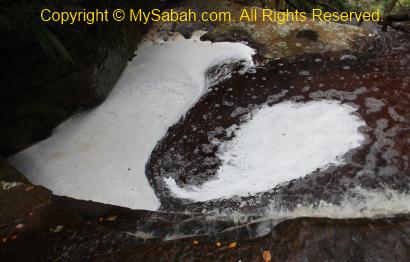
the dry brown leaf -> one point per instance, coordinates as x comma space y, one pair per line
14, 237
20, 226
232, 245
267, 256
29, 188
111, 217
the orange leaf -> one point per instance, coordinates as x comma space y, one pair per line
14, 237
29, 188
266, 256
232, 245
111, 217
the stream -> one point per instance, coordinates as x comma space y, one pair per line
201, 128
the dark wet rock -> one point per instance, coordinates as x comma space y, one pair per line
26, 122
342, 240
376, 82
9, 174
399, 21
34, 224
308, 34
18, 200
37, 226
304, 239
181, 154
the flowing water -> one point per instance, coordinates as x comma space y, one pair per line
358, 103
321, 135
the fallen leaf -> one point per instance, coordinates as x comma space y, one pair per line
100, 219
195, 242
57, 229
218, 244
232, 245
14, 237
29, 188
20, 226
266, 256
111, 217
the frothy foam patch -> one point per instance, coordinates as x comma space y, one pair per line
101, 154
280, 143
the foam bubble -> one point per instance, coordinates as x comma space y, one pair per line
280, 143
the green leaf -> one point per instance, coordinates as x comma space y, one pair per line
51, 45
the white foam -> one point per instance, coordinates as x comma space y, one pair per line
356, 203
101, 154
280, 143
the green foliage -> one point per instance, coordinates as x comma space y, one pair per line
21, 17
51, 45
402, 6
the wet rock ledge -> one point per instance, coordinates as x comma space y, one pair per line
35, 225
